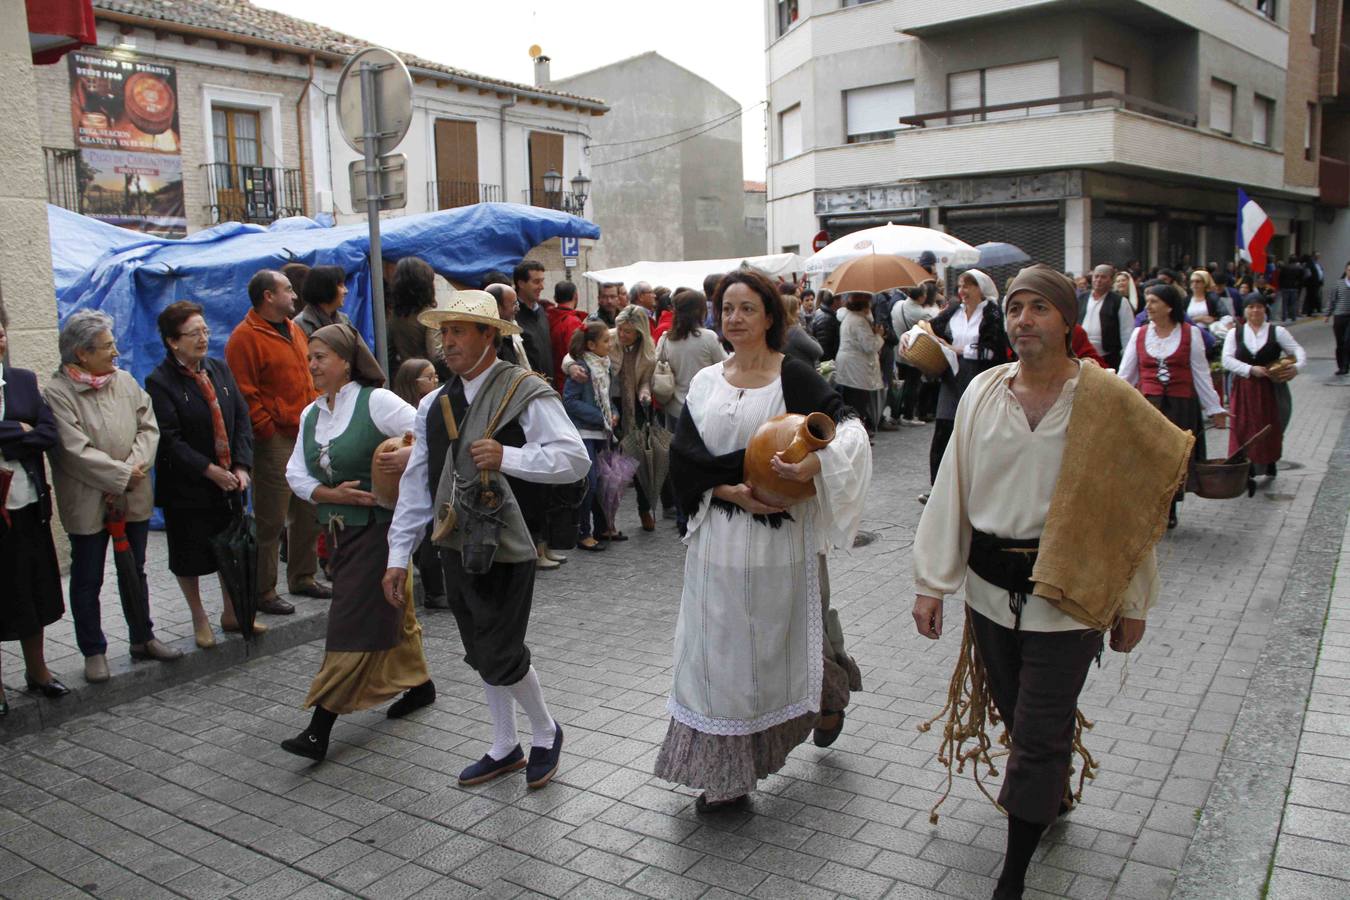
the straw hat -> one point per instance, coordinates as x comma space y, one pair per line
468, 306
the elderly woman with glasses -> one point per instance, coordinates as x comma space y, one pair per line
100, 466
204, 459
1165, 359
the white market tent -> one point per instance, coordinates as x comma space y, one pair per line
908, 241
691, 272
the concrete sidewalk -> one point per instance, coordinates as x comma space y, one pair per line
185, 793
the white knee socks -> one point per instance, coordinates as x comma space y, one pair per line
502, 708
530, 696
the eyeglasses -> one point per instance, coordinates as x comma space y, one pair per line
431, 378
195, 333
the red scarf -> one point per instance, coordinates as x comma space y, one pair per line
222, 438
80, 376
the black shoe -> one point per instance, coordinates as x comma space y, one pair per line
436, 601
275, 606
1251, 486
826, 738
306, 744
488, 768
315, 589
544, 762
1172, 521
422, 695
4, 704
704, 806
51, 690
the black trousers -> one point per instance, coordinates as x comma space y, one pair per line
861, 402
1340, 327
942, 434
429, 567
493, 612
1035, 678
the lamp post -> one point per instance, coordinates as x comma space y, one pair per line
553, 182
554, 198
581, 189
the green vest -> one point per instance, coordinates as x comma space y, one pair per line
349, 455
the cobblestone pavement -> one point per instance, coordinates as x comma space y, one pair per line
185, 793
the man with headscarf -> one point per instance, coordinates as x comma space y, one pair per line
491, 432
1051, 554
1105, 316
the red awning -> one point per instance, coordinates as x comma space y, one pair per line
55, 27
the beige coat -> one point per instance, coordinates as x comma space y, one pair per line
103, 433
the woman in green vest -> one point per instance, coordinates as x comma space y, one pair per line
373, 650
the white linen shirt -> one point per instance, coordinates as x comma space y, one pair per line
999, 476
1255, 339
1165, 347
390, 413
553, 454
1092, 321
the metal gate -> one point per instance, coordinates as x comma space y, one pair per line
1039, 235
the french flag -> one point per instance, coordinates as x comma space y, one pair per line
1254, 231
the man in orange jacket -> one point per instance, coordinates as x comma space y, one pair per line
268, 354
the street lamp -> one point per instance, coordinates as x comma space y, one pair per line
581, 189
553, 182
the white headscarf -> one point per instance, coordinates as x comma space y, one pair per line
987, 289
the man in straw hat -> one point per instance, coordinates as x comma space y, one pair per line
1052, 555
490, 432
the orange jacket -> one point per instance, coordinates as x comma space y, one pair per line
273, 374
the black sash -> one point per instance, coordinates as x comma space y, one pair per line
1005, 563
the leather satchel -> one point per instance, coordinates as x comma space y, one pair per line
663, 379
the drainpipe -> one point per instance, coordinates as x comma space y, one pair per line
501, 138
300, 137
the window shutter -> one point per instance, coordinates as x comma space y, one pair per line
1024, 81
790, 132
1108, 77
963, 92
1261, 120
1221, 106
456, 163
546, 152
876, 110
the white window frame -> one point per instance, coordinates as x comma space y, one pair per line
268, 107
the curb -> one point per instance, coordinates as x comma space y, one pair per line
132, 680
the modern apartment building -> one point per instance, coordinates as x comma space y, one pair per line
1083, 131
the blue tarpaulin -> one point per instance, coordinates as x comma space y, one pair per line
134, 281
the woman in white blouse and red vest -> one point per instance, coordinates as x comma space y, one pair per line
1258, 400
1165, 359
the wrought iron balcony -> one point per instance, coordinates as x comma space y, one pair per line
258, 194
63, 177
445, 194
565, 201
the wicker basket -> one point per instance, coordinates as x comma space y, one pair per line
925, 354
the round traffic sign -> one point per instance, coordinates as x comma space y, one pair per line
820, 241
393, 99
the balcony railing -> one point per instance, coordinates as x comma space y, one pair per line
258, 194
561, 200
1096, 100
63, 177
1333, 182
443, 194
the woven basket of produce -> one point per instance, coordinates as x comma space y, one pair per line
1282, 370
925, 354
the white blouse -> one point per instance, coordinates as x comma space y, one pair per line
1164, 347
1255, 339
391, 415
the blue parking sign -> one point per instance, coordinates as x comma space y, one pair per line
571, 247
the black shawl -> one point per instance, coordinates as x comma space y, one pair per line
694, 470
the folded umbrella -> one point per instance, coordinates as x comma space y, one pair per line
135, 603
613, 472
649, 446
236, 552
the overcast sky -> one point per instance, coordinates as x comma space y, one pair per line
721, 40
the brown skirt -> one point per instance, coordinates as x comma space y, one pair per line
351, 680
359, 618
729, 766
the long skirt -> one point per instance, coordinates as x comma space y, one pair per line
1184, 412
32, 594
729, 766
374, 650
1254, 407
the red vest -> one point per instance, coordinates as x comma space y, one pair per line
1179, 382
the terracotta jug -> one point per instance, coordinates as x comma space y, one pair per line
795, 435
383, 485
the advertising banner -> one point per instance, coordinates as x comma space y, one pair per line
124, 111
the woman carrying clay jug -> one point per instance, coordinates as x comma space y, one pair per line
754, 671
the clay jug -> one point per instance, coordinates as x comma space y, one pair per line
795, 435
383, 485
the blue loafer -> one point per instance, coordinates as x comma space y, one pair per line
488, 768
544, 763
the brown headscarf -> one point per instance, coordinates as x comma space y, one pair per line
346, 342
1044, 281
